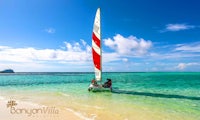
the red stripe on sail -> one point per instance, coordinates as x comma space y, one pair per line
96, 59
96, 39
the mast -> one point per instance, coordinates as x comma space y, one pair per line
97, 47
100, 43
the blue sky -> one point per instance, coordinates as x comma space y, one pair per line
137, 35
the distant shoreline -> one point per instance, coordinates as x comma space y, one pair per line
118, 72
7, 71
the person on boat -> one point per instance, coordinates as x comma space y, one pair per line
108, 83
94, 82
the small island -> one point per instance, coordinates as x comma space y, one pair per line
7, 71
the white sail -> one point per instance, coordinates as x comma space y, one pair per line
96, 46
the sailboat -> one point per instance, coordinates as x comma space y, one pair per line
97, 56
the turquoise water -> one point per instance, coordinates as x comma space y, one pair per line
159, 95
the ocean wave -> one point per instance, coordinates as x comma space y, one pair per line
38, 82
81, 115
2, 98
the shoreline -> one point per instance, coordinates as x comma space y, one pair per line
83, 111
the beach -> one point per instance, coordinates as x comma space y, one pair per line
141, 96
32, 111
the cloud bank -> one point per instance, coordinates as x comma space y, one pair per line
130, 53
74, 52
182, 66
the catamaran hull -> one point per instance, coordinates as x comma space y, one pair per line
99, 89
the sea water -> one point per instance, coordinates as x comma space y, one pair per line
140, 95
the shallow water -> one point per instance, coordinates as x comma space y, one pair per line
148, 96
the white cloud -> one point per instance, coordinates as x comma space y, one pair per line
78, 46
194, 47
182, 66
50, 30
178, 27
83, 42
124, 59
128, 46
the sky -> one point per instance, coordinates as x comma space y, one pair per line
137, 35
